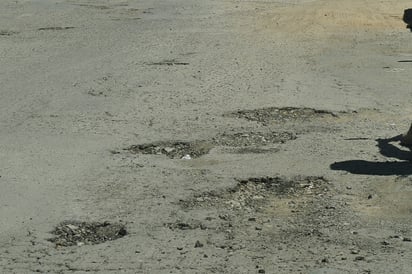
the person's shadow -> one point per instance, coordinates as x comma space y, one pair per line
407, 18
386, 148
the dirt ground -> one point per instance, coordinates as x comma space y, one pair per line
205, 136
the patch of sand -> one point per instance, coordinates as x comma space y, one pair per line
329, 16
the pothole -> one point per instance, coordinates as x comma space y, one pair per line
253, 150
168, 62
174, 149
185, 225
254, 192
99, 7
7, 33
55, 28
250, 142
69, 233
284, 114
253, 139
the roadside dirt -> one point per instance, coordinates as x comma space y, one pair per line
205, 137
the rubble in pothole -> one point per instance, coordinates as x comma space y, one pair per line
70, 233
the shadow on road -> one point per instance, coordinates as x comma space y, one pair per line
407, 18
386, 148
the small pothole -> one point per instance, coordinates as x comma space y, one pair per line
7, 33
253, 139
185, 225
173, 149
55, 28
282, 186
283, 114
168, 62
99, 7
69, 233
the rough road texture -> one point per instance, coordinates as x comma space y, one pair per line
325, 188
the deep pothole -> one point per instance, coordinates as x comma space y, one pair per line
70, 233
283, 114
254, 192
249, 142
